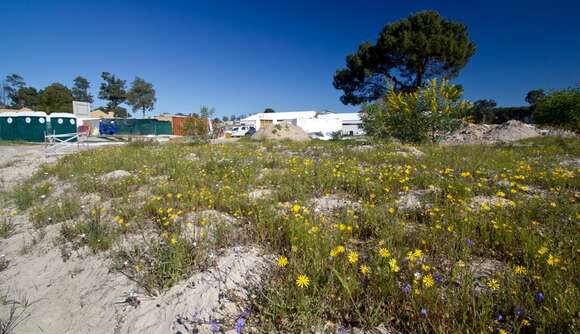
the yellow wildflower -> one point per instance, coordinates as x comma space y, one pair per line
428, 281
296, 208
302, 281
520, 270
543, 250
393, 265
352, 257
493, 284
552, 260
364, 269
282, 261
383, 252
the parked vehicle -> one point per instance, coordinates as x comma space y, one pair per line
320, 135
240, 131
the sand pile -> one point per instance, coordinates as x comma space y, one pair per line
490, 133
281, 131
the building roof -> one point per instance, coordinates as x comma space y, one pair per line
281, 115
345, 117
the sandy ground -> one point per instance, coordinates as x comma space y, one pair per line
81, 294
19, 161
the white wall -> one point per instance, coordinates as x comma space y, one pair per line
328, 125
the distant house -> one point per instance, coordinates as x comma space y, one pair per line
310, 121
351, 123
101, 114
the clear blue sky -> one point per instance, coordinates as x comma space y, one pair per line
243, 56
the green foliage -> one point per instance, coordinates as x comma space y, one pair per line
561, 109
6, 227
406, 55
28, 193
52, 213
197, 125
268, 110
141, 96
55, 98
90, 231
12, 84
113, 90
80, 90
486, 112
530, 237
534, 97
25, 97
416, 117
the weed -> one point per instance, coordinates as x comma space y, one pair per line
493, 234
6, 227
64, 209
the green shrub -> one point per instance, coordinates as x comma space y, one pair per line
561, 109
416, 117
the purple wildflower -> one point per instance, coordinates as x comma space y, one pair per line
438, 279
520, 312
424, 312
540, 297
240, 325
406, 288
215, 327
500, 317
342, 330
469, 242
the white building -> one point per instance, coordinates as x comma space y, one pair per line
310, 121
351, 123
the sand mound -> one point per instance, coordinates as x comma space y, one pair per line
281, 131
490, 133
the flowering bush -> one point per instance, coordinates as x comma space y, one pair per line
418, 116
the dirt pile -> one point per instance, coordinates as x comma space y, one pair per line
281, 131
509, 131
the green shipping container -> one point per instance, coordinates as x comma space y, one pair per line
140, 127
63, 123
23, 126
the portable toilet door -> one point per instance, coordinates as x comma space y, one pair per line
8, 129
31, 126
63, 123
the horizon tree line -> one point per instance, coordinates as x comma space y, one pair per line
56, 97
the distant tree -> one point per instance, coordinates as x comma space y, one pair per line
25, 97
11, 85
216, 120
406, 55
482, 111
534, 96
225, 118
80, 90
113, 90
141, 95
268, 110
560, 108
55, 98
121, 112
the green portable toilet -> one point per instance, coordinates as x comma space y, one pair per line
23, 126
31, 126
8, 130
63, 123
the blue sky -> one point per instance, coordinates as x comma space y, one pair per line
243, 56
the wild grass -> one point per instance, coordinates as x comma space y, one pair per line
63, 209
6, 227
369, 263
